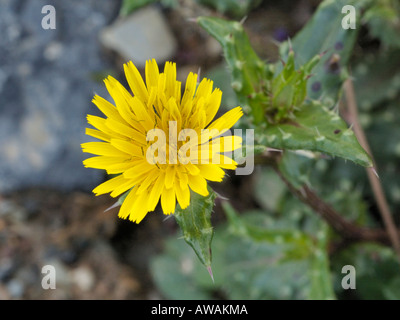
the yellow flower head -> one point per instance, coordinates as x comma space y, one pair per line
158, 142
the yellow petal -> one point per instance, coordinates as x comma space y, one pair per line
192, 169
109, 110
139, 210
170, 74
182, 176
142, 168
121, 166
161, 98
152, 73
103, 162
126, 131
190, 89
100, 123
226, 162
97, 134
127, 147
102, 149
142, 114
170, 176
198, 184
203, 90
228, 143
135, 81
150, 179
226, 121
123, 187
213, 105
168, 201
122, 100
182, 195
211, 172
156, 192
109, 185
126, 206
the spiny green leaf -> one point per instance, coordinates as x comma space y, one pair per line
324, 33
248, 70
316, 128
195, 223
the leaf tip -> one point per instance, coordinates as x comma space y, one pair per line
211, 273
375, 172
116, 204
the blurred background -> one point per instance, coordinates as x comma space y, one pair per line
48, 215
47, 80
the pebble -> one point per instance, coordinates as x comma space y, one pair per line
46, 91
141, 36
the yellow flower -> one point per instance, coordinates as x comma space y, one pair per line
156, 141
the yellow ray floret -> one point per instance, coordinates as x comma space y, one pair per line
160, 142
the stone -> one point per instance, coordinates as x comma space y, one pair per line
141, 36
46, 89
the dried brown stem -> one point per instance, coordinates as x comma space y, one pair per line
348, 230
373, 178
345, 228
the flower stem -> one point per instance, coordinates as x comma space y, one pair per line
372, 175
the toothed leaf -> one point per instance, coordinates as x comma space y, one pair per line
195, 223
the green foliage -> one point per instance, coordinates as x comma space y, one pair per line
129, 6
233, 8
318, 129
383, 22
195, 223
275, 99
280, 250
247, 69
256, 257
323, 34
377, 272
321, 283
377, 79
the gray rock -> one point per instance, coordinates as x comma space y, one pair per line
141, 36
46, 91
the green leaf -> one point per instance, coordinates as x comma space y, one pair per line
195, 223
295, 244
247, 69
128, 6
383, 22
321, 281
266, 180
233, 8
295, 168
377, 271
244, 267
177, 273
324, 33
318, 129
377, 79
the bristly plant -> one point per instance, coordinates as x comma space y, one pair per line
304, 113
